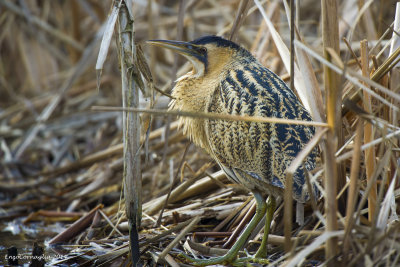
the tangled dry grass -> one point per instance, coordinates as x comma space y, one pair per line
62, 164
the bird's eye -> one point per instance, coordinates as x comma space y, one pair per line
203, 50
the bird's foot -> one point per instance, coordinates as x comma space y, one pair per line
231, 256
226, 259
247, 261
230, 259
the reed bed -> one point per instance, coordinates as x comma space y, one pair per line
71, 157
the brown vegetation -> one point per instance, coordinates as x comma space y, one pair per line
61, 160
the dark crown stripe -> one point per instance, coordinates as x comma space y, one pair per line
221, 42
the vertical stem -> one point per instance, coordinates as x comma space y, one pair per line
179, 36
395, 77
289, 176
329, 148
288, 211
76, 33
353, 187
240, 17
330, 34
368, 134
151, 35
292, 18
131, 128
368, 21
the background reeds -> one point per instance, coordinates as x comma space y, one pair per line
62, 162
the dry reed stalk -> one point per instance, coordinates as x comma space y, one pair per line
44, 116
354, 77
76, 32
368, 21
179, 35
131, 130
384, 68
244, 217
181, 235
77, 227
368, 133
353, 188
176, 194
308, 73
210, 115
296, 163
240, 16
151, 14
172, 183
301, 255
102, 155
288, 212
202, 185
232, 215
311, 81
395, 72
288, 197
330, 37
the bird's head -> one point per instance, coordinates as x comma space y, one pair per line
208, 54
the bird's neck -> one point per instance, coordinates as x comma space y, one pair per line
193, 94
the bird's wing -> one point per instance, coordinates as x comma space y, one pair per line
261, 150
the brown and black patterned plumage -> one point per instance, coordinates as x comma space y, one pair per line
227, 79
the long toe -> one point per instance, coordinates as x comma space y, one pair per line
226, 259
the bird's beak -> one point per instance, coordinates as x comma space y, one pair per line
184, 48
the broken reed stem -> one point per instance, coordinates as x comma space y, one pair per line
131, 132
384, 68
368, 133
288, 212
330, 36
353, 187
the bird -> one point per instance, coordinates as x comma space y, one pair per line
227, 79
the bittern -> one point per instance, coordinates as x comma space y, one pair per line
227, 79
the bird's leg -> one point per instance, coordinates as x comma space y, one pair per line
232, 253
261, 254
262, 250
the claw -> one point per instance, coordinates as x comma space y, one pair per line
226, 259
253, 259
231, 257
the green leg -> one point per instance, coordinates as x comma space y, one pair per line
262, 250
261, 254
232, 253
